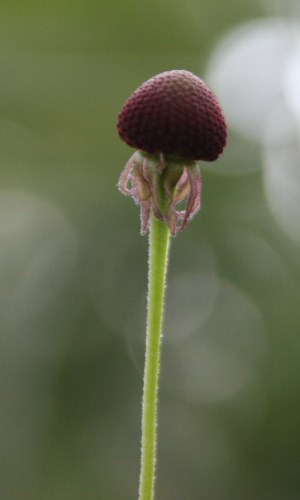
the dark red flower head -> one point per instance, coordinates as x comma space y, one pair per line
176, 114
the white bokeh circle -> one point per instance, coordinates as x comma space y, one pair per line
247, 73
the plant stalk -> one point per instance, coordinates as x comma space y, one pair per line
159, 239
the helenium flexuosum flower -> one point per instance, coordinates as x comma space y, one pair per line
174, 120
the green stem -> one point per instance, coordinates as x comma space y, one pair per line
158, 258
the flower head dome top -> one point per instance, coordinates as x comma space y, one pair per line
174, 113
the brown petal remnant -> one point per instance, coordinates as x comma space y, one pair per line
140, 179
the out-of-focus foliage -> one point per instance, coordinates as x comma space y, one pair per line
73, 266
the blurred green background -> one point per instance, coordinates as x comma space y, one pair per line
73, 266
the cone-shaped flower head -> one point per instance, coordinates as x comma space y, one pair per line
176, 114
174, 120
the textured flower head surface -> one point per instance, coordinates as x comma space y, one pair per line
173, 119
174, 113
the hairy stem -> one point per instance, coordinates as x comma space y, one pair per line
158, 258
